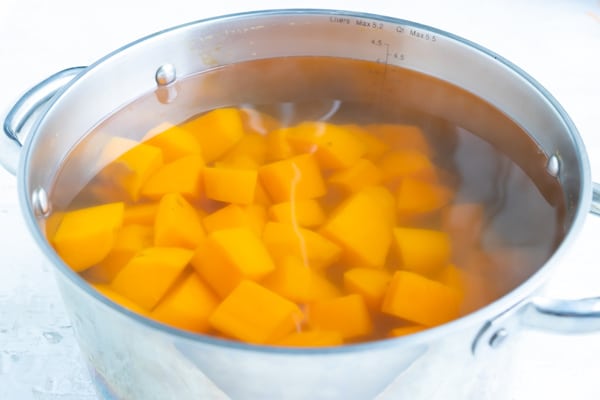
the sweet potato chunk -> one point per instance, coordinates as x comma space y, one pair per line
306, 213
254, 314
424, 251
311, 339
177, 223
370, 283
85, 236
231, 185
183, 176
235, 216
295, 178
347, 315
174, 141
356, 177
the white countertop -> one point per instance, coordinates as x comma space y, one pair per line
555, 41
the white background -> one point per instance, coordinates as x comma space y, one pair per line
555, 41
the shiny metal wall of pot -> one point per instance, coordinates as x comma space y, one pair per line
134, 358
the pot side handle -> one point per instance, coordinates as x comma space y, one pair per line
31, 104
562, 316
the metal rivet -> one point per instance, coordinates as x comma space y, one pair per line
553, 165
498, 338
165, 75
40, 203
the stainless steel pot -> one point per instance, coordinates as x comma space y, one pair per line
131, 357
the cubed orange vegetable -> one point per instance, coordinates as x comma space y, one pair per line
362, 226
347, 315
401, 137
424, 251
184, 176
313, 249
421, 300
129, 240
334, 146
177, 223
254, 314
311, 339
252, 147
140, 213
174, 141
296, 281
294, 178
361, 174
234, 216
373, 145
150, 273
398, 165
278, 147
120, 300
258, 122
415, 197
307, 213
85, 236
230, 185
187, 305
370, 283
406, 330
133, 164
229, 256
217, 131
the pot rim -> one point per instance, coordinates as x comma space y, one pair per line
478, 317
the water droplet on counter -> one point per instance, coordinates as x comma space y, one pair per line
52, 337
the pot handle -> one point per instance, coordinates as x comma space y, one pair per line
576, 316
30, 104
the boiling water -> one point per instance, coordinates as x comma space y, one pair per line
489, 160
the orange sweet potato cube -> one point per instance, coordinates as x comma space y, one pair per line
251, 147
406, 330
86, 236
120, 300
362, 226
177, 223
370, 283
334, 146
307, 213
425, 251
140, 213
231, 185
315, 250
347, 315
373, 145
228, 256
188, 305
416, 197
254, 314
361, 174
129, 240
421, 300
312, 338
235, 216
174, 141
150, 273
258, 122
401, 137
184, 176
295, 178
398, 165
278, 147
218, 131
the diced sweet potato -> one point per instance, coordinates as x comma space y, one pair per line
232, 185
424, 251
258, 122
313, 249
334, 146
362, 226
356, 177
120, 300
129, 240
251, 147
217, 131
184, 176
401, 137
254, 314
415, 198
295, 178
298, 282
187, 305
86, 236
312, 339
278, 147
140, 213
398, 165
235, 216
406, 330
347, 315
228, 256
177, 223
307, 213
150, 273
370, 283
373, 145
174, 141
421, 300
